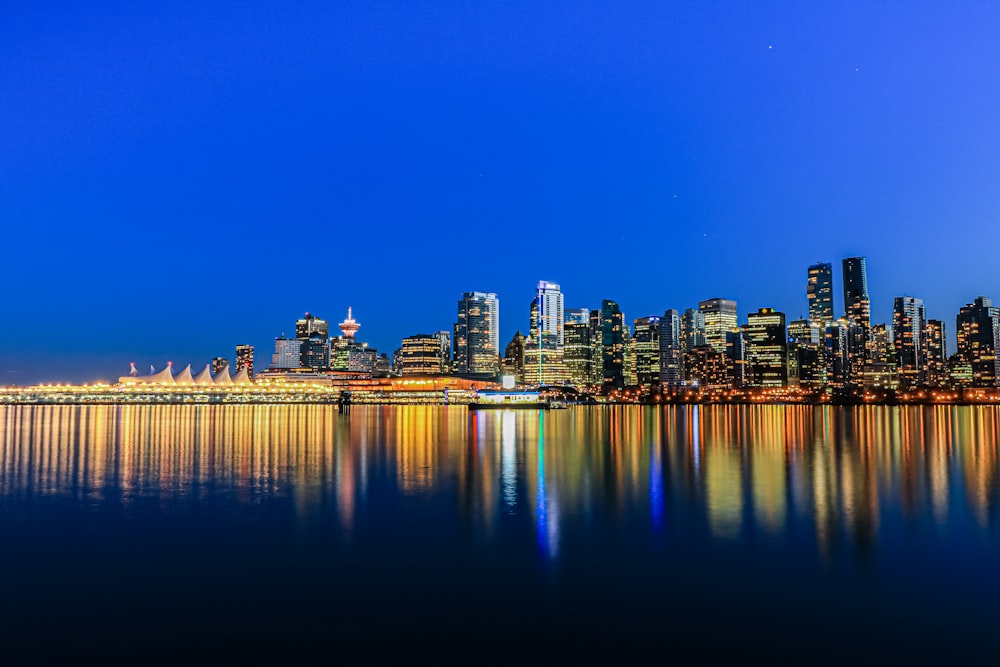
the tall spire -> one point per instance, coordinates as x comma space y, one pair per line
349, 326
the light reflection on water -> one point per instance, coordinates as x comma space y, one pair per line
843, 472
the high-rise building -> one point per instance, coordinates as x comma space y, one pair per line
513, 358
577, 315
596, 348
578, 352
978, 332
543, 360
362, 359
287, 353
805, 331
444, 338
613, 345
477, 334
819, 291
312, 327
836, 353
857, 302
935, 353
736, 357
706, 368
219, 364
720, 318
421, 355
767, 348
314, 353
671, 349
908, 324
244, 359
880, 371
550, 310
647, 351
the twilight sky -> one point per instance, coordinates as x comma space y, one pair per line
175, 180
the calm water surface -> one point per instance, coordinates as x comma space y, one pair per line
788, 534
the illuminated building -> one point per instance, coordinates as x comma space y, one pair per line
692, 333
244, 359
421, 355
314, 353
596, 348
857, 352
767, 348
805, 331
628, 358
287, 353
349, 326
513, 358
578, 352
719, 317
857, 302
959, 371
543, 360
908, 324
444, 339
819, 291
647, 351
219, 364
550, 312
978, 332
810, 364
880, 371
477, 334
836, 353
935, 353
312, 327
612, 345
671, 349
576, 315
383, 367
706, 368
361, 359
736, 357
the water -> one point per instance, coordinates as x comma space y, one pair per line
787, 534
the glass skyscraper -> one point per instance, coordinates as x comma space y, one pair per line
477, 334
819, 291
857, 302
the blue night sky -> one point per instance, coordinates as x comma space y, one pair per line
178, 179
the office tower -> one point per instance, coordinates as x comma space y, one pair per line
692, 329
244, 359
612, 345
578, 352
421, 355
513, 358
312, 327
857, 303
767, 348
361, 359
596, 348
908, 324
719, 317
577, 315
550, 310
671, 349
397, 362
444, 338
383, 367
705, 368
477, 334
287, 353
219, 364
647, 351
314, 353
935, 353
810, 362
805, 331
736, 357
978, 331
880, 371
819, 291
628, 357
543, 360
959, 372
858, 346
836, 353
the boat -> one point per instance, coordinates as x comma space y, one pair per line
509, 400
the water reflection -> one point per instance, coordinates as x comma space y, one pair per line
770, 473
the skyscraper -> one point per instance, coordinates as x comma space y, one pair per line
720, 317
477, 334
767, 348
244, 359
936, 353
287, 353
444, 339
578, 352
612, 345
311, 326
857, 303
909, 323
647, 351
550, 310
513, 358
671, 349
596, 348
420, 355
819, 291
978, 332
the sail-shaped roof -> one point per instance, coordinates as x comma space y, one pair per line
184, 377
223, 376
204, 377
243, 377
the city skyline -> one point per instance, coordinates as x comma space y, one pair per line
482, 147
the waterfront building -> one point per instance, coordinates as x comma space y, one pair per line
810, 364
596, 348
477, 334
819, 292
909, 323
421, 355
244, 359
543, 360
314, 353
550, 310
513, 358
311, 327
836, 353
444, 339
628, 358
287, 353
647, 351
767, 348
880, 371
978, 332
383, 367
612, 345
219, 364
671, 349
719, 318
706, 368
960, 374
692, 333
736, 357
857, 352
578, 351
935, 353
857, 302
361, 359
